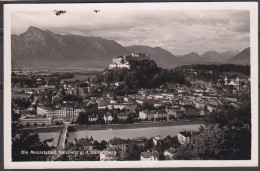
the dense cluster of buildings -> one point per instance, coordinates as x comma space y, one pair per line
116, 146
174, 102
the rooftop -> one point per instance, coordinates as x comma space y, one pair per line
117, 141
149, 154
83, 142
185, 133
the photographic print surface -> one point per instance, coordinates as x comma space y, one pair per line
131, 83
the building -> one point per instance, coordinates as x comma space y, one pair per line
118, 143
122, 116
92, 118
63, 113
67, 112
149, 156
190, 110
174, 112
119, 62
184, 137
35, 120
108, 118
121, 106
109, 154
86, 144
152, 115
157, 140
140, 56
141, 142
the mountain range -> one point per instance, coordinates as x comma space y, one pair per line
161, 56
243, 58
43, 48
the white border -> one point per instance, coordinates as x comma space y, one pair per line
251, 6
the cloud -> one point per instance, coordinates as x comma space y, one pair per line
180, 32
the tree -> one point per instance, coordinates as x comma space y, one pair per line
96, 143
71, 129
102, 145
28, 142
83, 118
227, 137
133, 152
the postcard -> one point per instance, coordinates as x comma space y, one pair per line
130, 85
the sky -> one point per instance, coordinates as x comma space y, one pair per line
180, 32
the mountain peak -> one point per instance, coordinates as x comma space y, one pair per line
211, 52
243, 58
32, 28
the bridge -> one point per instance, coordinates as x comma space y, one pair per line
61, 141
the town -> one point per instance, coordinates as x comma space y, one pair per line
132, 91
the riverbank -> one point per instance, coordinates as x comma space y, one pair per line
137, 125
116, 126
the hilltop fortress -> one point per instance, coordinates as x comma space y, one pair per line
123, 61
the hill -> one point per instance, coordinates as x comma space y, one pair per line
211, 56
191, 58
243, 58
228, 54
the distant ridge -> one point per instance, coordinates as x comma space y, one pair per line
43, 48
243, 58
191, 58
162, 57
209, 57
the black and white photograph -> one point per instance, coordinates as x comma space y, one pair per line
140, 84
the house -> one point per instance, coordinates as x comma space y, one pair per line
184, 136
139, 101
203, 112
190, 110
122, 116
230, 99
109, 154
157, 140
141, 142
92, 118
158, 104
108, 118
152, 115
118, 143
85, 144
168, 96
175, 112
149, 156
200, 105
127, 106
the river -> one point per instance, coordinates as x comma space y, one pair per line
106, 135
